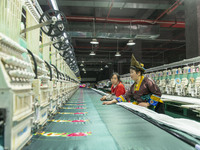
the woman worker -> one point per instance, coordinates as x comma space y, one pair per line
117, 88
144, 92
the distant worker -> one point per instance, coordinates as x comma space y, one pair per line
117, 88
144, 92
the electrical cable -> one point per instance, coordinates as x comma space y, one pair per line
35, 63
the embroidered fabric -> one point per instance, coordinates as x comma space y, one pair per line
186, 125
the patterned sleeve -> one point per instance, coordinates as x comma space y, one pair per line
126, 97
155, 96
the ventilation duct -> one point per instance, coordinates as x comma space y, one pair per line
114, 31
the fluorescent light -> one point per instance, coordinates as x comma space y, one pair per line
117, 54
54, 4
94, 41
130, 43
92, 53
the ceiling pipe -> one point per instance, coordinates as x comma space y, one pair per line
110, 9
167, 24
175, 7
167, 10
108, 14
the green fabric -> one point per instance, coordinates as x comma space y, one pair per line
100, 135
112, 127
132, 132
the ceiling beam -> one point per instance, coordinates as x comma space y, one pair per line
162, 23
105, 4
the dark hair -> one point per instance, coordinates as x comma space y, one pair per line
137, 69
117, 74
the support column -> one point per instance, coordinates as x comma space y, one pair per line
192, 28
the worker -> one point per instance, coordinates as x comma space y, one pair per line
144, 92
117, 88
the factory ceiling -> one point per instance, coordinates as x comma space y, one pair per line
156, 26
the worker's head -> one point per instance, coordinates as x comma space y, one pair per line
136, 69
135, 73
115, 78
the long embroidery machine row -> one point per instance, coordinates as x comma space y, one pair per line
33, 84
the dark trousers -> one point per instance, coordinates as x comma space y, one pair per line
160, 108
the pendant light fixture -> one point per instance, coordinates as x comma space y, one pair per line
130, 42
94, 41
117, 53
92, 53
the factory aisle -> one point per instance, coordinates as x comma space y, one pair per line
85, 124
77, 125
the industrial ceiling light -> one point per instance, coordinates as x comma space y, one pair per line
92, 53
94, 41
84, 72
81, 65
130, 43
117, 53
106, 66
101, 69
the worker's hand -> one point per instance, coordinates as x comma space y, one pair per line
103, 98
144, 104
110, 102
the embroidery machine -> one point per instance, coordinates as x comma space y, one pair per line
163, 81
191, 81
178, 81
16, 94
197, 82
